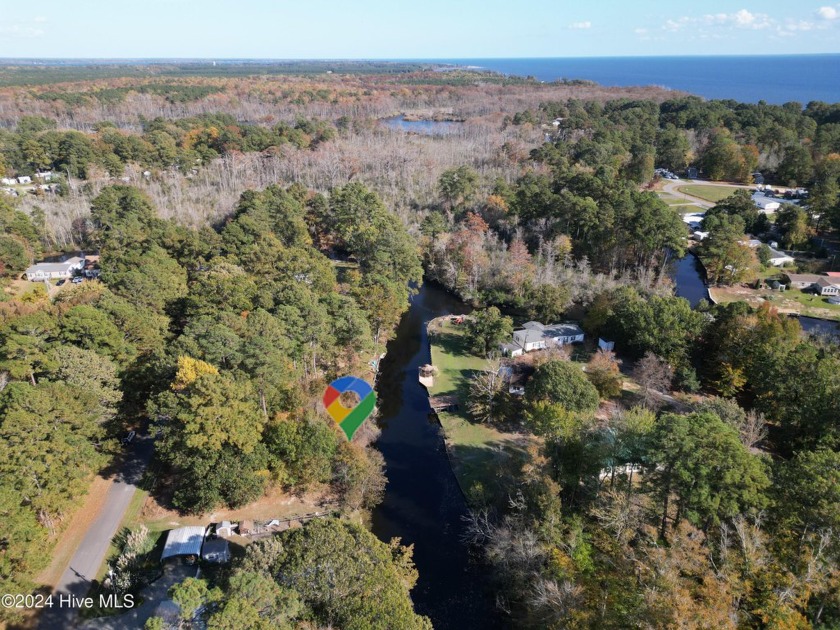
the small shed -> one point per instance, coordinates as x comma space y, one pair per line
608, 346
224, 529
184, 541
216, 550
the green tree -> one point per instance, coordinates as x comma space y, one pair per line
346, 575
257, 602
666, 326
15, 257
548, 302
49, 437
792, 224
700, 460
149, 278
725, 254
458, 186
192, 594
487, 329
562, 383
302, 450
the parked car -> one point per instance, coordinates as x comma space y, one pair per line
77, 280
129, 438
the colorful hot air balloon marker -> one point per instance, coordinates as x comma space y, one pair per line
349, 419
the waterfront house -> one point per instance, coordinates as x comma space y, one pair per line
536, 336
827, 286
801, 280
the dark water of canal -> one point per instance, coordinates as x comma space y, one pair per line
423, 504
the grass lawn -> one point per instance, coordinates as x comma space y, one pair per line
476, 450
709, 193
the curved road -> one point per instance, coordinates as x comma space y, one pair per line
84, 565
671, 186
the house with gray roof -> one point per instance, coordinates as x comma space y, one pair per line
45, 271
537, 336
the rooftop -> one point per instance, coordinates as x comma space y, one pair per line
184, 541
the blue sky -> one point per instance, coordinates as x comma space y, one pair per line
387, 29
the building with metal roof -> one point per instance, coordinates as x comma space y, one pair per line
184, 541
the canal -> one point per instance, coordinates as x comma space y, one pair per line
423, 504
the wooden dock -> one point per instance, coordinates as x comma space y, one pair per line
443, 403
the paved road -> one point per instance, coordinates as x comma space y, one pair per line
85, 563
671, 186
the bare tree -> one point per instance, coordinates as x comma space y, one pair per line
654, 376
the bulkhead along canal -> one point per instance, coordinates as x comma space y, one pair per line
423, 504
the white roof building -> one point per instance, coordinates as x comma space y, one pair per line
765, 204
49, 271
184, 541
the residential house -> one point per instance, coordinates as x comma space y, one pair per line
536, 336
779, 259
44, 271
765, 204
827, 286
45, 175
529, 339
563, 334
24, 179
8, 181
801, 280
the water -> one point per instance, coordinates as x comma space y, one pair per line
773, 78
423, 504
689, 280
425, 127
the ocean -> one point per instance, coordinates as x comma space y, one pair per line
775, 79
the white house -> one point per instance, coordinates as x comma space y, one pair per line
45, 175
563, 334
765, 204
24, 179
529, 339
536, 336
826, 286
50, 271
779, 259
8, 181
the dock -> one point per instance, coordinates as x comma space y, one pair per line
443, 403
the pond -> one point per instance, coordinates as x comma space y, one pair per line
423, 503
423, 127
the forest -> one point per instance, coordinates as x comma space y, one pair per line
261, 235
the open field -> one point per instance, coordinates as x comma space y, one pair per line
709, 193
477, 451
